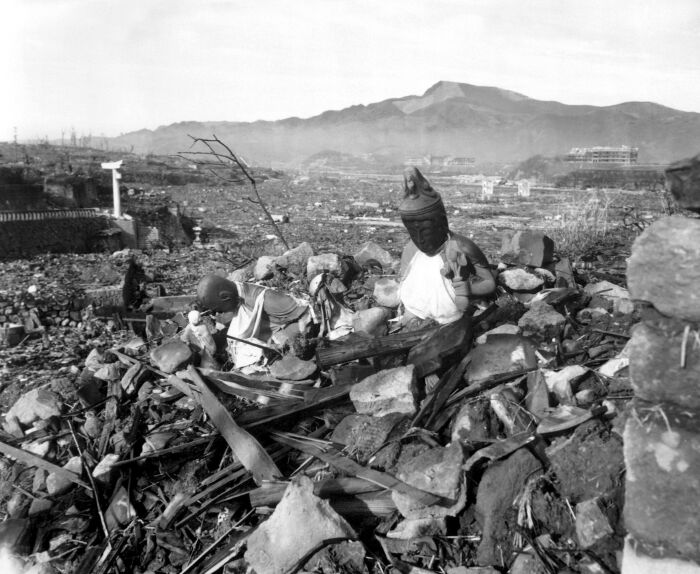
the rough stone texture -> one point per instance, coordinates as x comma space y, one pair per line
298, 256
655, 364
501, 354
499, 486
505, 329
363, 435
542, 321
264, 268
275, 547
438, 471
35, 405
291, 368
527, 248
662, 496
386, 292
371, 252
57, 483
683, 178
371, 321
592, 525
664, 268
324, 262
618, 296
518, 279
635, 561
388, 391
411, 528
561, 382
170, 356
471, 424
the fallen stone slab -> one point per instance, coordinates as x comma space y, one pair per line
292, 368
663, 267
171, 356
388, 391
37, 404
656, 373
662, 457
542, 321
324, 262
276, 546
500, 355
527, 248
386, 292
371, 252
519, 280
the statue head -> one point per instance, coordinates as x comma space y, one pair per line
217, 294
423, 212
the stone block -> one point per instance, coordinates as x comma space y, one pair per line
296, 257
264, 268
171, 356
636, 561
663, 268
371, 252
527, 248
662, 493
386, 292
37, 404
592, 524
276, 546
655, 364
518, 279
388, 391
542, 321
683, 179
329, 262
500, 355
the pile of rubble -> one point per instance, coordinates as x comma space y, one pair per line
492, 444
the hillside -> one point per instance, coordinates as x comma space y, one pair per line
490, 124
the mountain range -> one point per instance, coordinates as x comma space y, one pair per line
487, 123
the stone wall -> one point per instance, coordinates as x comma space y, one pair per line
23, 234
662, 434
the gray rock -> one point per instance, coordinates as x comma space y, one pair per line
501, 354
245, 273
471, 424
386, 292
296, 257
561, 382
371, 321
664, 270
370, 251
264, 268
592, 525
518, 279
37, 404
277, 546
527, 248
364, 435
618, 296
57, 483
171, 356
385, 392
329, 262
292, 368
542, 321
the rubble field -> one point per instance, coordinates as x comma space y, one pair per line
493, 444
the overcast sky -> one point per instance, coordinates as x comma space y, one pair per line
113, 66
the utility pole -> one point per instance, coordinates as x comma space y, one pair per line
16, 146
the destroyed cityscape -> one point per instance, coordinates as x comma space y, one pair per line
450, 333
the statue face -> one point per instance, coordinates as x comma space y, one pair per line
429, 235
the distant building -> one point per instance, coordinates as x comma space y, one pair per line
452, 163
601, 154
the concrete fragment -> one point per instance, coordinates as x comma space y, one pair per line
592, 525
103, 471
500, 355
276, 546
371, 321
656, 373
505, 329
542, 321
518, 279
527, 248
37, 404
171, 356
561, 382
386, 292
370, 252
662, 456
618, 296
388, 391
438, 471
497, 491
57, 483
292, 368
328, 262
295, 257
663, 268
264, 268
636, 561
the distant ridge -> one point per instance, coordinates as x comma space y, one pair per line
450, 118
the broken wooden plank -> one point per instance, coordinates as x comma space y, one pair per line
246, 448
428, 355
36, 461
270, 493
